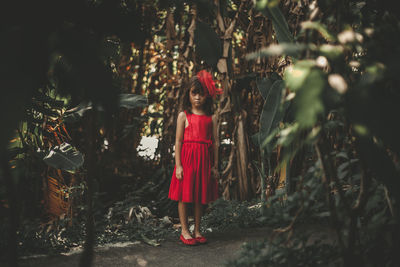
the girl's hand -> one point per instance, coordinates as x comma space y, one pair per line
214, 173
179, 172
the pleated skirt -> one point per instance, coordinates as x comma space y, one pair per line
197, 185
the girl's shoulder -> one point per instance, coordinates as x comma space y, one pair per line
182, 115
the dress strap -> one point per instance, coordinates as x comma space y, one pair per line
187, 117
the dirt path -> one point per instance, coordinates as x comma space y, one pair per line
220, 248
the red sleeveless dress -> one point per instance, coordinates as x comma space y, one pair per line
197, 185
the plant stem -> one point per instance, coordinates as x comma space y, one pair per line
262, 182
329, 199
87, 255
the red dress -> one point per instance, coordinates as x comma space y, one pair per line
197, 185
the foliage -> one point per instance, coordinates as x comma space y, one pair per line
68, 47
223, 215
331, 119
271, 114
273, 12
303, 234
128, 101
276, 253
122, 221
343, 97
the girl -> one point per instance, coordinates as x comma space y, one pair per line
195, 174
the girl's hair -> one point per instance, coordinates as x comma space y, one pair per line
194, 82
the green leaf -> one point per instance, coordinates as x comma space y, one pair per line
289, 49
264, 86
267, 143
342, 155
308, 101
208, 44
258, 169
15, 151
261, 4
342, 170
314, 25
270, 109
288, 134
254, 138
275, 123
279, 23
41, 97
296, 75
131, 101
64, 157
44, 110
76, 113
361, 129
331, 51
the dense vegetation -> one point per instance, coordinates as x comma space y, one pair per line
307, 124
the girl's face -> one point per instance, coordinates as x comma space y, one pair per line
197, 97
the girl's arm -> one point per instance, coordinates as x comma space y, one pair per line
180, 128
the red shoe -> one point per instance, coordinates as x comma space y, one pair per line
190, 241
201, 240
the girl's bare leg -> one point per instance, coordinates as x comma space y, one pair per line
198, 212
184, 220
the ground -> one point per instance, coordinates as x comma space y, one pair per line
222, 246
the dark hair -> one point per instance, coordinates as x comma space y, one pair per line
208, 104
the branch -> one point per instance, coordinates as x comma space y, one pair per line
220, 21
388, 200
190, 30
362, 194
329, 170
290, 226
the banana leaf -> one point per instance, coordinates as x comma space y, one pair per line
279, 23
129, 101
270, 110
64, 157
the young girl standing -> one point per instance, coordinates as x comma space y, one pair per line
195, 175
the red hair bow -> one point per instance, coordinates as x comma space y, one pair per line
208, 84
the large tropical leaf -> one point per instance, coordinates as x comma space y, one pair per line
308, 82
76, 113
274, 126
43, 98
129, 101
296, 75
64, 157
264, 85
321, 28
279, 23
270, 110
289, 49
48, 111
